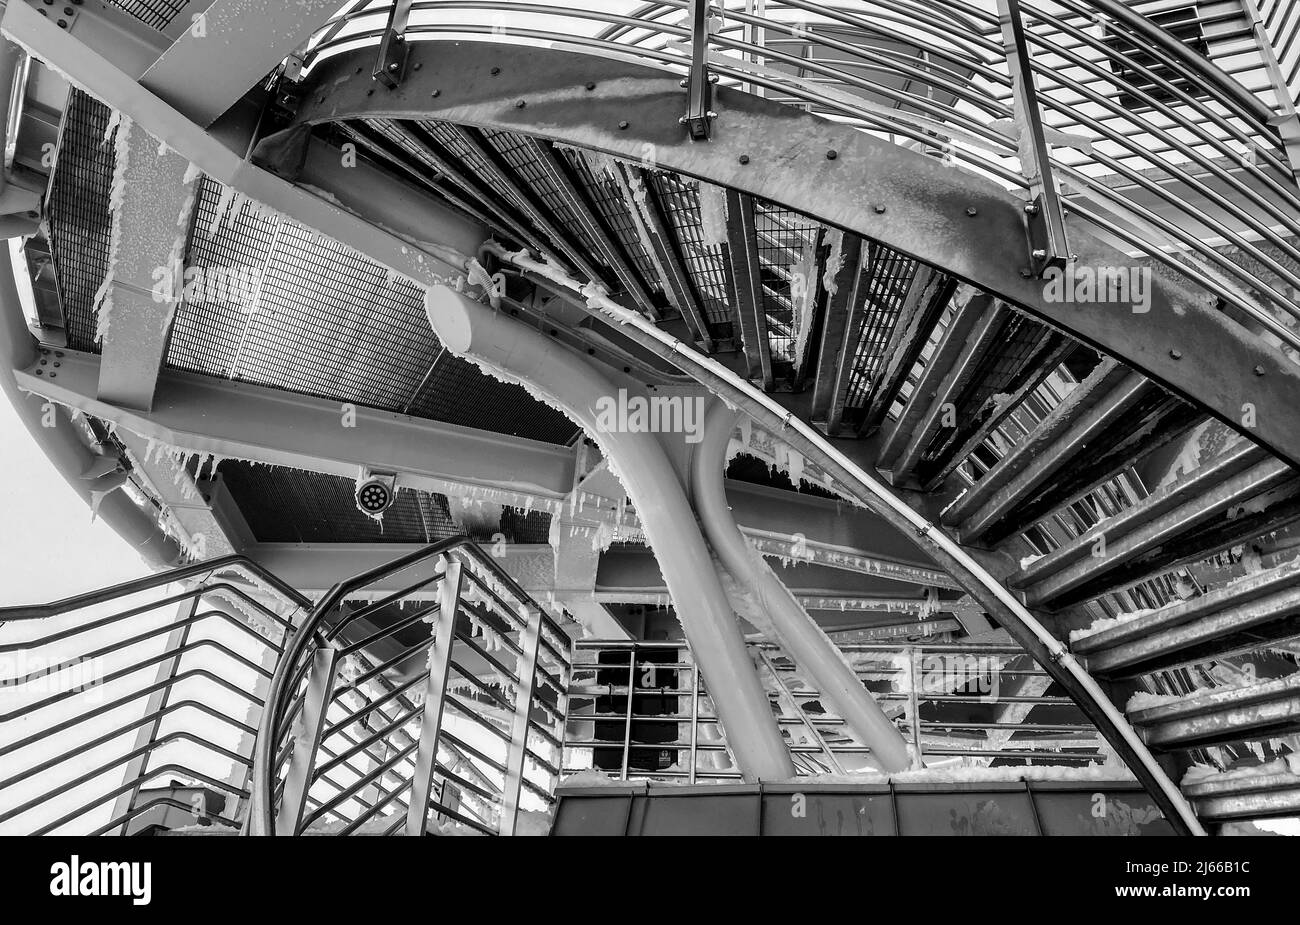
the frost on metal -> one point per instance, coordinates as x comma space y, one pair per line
118, 133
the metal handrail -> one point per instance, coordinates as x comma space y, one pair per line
932, 738
320, 633
960, 35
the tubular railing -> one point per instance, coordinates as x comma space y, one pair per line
1165, 153
425, 694
110, 697
959, 705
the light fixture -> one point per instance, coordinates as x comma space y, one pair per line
376, 493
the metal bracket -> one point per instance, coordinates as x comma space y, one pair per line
63, 14
699, 85
390, 65
1048, 246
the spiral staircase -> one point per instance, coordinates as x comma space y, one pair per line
1014, 280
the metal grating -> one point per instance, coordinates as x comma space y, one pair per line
515, 151
787, 243
156, 13
706, 263
329, 323
520, 526
80, 225
605, 194
890, 273
294, 506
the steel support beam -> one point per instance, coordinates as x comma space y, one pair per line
969, 226
242, 421
441, 246
841, 330
151, 223
213, 64
947, 371
747, 284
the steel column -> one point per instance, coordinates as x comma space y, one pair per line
516, 760
435, 693
306, 742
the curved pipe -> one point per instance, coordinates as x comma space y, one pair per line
470, 329
801, 638
1006, 610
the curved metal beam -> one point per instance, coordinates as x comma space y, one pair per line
940, 214
929, 537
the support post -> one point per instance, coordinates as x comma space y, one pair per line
310, 725
699, 90
435, 697
516, 759
1048, 247
391, 61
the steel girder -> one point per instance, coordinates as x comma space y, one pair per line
938, 213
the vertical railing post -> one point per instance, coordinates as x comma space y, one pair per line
1048, 246
435, 696
156, 703
627, 723
695, 716
699, 86
526, 670
914, 704
309, 727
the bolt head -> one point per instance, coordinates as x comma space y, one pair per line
1038, 253
1259, 370
878, 209
832, 154
972, 211
1176, 354
744, 158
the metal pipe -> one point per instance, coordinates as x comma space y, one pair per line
470, 329
805, 642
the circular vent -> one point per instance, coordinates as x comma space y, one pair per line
374, 497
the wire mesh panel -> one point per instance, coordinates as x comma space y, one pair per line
156, 13
80, 226
704, 258
889, 275
319, 319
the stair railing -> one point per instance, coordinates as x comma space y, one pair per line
379, 725
98, 710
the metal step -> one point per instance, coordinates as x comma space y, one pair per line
1231, 714
1259, 608
1082, 417
1245, 794
1112, 549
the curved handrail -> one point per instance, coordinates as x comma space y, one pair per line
266, 754
1037, 640
1264, 199
148, 582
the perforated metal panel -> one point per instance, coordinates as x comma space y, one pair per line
293, 506
79, 221
156, 13
325, 321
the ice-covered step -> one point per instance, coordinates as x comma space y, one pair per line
1082, 417
1272, 789
1209, 492
1265, 709
1248, 612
